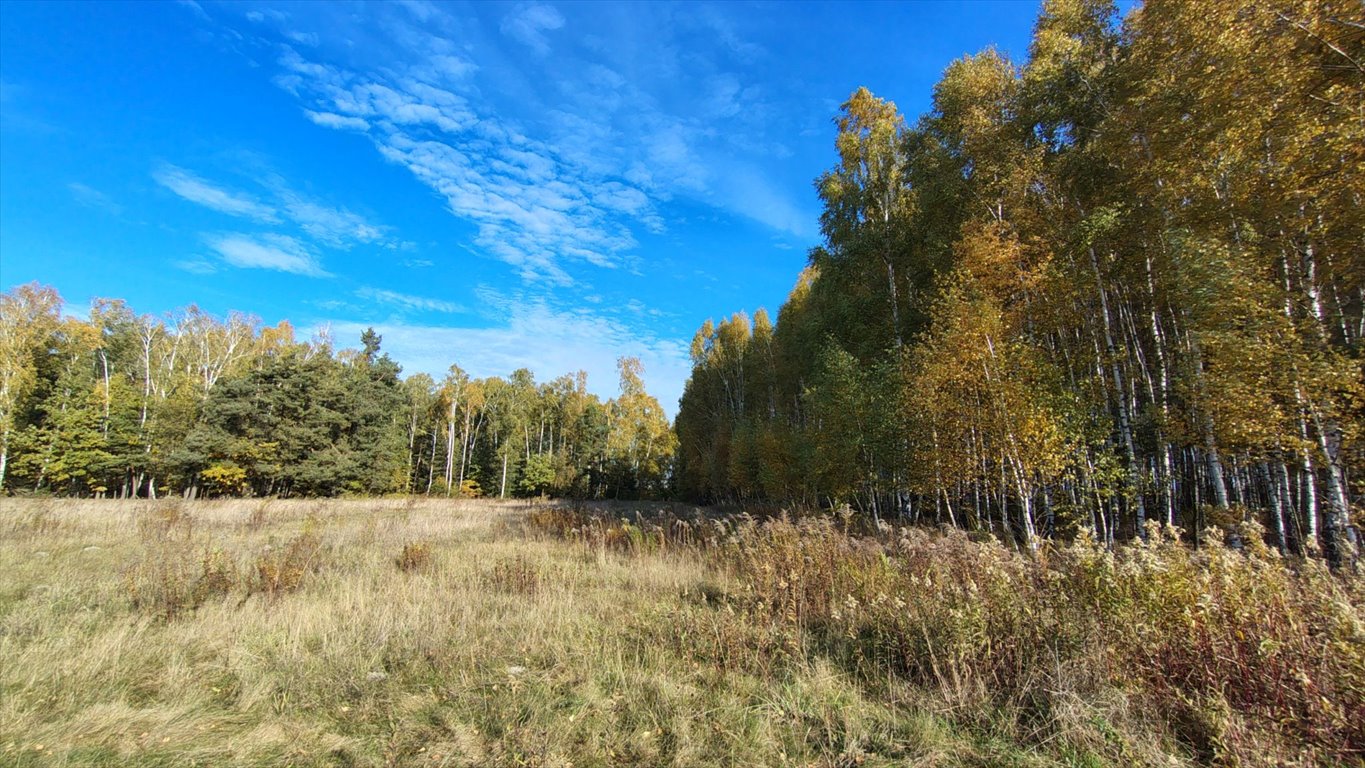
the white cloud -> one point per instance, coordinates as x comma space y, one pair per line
445, 67
197, 190
333, 120
276, 252
420, 9
653, 99
408, 301
722, 99
725, 33
548, 341
195, 8
528, 22
336, 227
261, 16
196, 266
601, 151
89, 196
748, 191
331, 226
534, 209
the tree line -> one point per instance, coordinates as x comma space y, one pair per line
1120, 283
120, 404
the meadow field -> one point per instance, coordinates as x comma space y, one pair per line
473, 633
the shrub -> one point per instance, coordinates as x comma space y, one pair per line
517, 575
171, 580
284, 569
174, 574
224, 479
416, 556
1241, 656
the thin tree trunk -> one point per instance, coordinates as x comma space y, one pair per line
104, 361
895, 303
1273, 487
431, 464
1211, 456
450, 447
1049, 515
502, 490
1026, 502
1337, 542
1308, 490
1121, 398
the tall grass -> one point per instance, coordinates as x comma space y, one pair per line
462, 633
500, 646
1235, 657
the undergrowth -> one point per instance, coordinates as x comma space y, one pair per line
401, 632
1240, 657
177, 570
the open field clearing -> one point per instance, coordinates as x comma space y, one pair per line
393, 632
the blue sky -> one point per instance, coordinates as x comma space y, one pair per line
548, 185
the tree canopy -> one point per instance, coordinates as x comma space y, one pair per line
126, 405
1116, 283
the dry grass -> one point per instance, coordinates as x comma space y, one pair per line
472, 633
1137, 656
416, 556
282, 633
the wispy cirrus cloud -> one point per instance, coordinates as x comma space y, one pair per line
196, 8
89, 196
333, 120
408, 301
197, 190
562, 136
316, 224
269, 14
280, 253
534, 210
196, 266
563, 180
329, 225
548, 340
528, 22
336, 227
